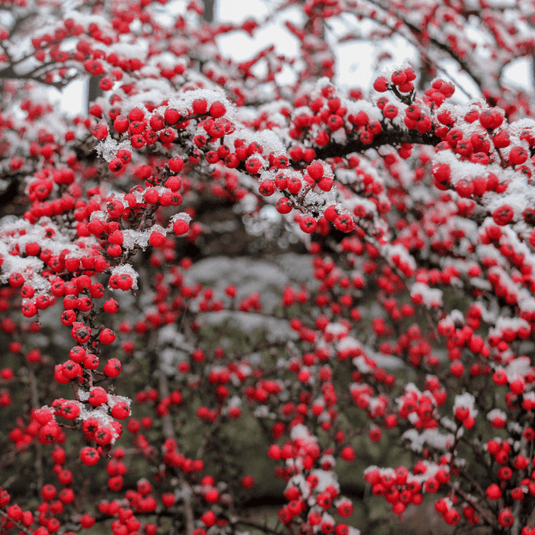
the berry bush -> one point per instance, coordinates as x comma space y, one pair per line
126, 378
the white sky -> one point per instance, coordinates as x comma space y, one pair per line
354, 61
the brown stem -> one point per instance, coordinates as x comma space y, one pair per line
259, 527
18, 524
517, 507
38, 464
473, 503
465, 66
168, 428
169, 433
9, 481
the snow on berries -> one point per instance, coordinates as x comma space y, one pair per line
123, 277
405, 319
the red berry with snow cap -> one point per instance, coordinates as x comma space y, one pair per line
97, 396
217, 109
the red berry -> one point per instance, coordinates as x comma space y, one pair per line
390, 111
116, 165
380, 84
100, 131
315, 171
452, 517
121, 124
518, 155
503, 215
348, 454
506, 518
157, 239
398, 77
176, 164
136, 114
89, 456
199, 106
111, 306
180, 227
493, 492
97, 396
501, 139
120, 410
16, 280
107, 336
217, 109
308, 224
113, 368
171, 116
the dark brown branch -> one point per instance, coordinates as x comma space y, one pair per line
442, 46
169, 433
259, 527
386, 137
93, 90
20, 21
38, 448
209, 7
22, 528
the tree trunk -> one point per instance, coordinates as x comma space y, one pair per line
209, 6
93, 90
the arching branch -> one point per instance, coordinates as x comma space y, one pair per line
386, 137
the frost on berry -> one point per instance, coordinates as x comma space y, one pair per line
120, 271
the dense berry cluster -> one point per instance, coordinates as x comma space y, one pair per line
131, 376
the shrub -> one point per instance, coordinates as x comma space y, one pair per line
127, 377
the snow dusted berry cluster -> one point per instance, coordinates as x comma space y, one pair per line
130, 375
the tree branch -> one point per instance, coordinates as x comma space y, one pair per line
169, 433
259, 527
38, 464
17, 524
442, 46
386, 137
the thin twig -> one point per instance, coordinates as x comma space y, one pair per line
17, 524
260, 527
169, 433
38, 464
9, 481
